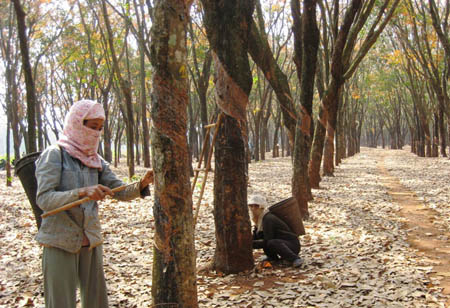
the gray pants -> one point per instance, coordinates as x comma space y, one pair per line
64, 271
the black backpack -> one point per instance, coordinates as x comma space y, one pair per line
25, 169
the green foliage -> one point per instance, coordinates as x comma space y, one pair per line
11, 158
134, 178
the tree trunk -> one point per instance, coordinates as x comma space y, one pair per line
193, 138
306, 35
40, 133
262, 141
317, 149
328, 153
435, 146
233, 234
341, 133
441, 28
201, 82
143, 103
288, 145
136, 138
15, 122
106, 128
257, 136
260, 51
125, 87
448, 130
443, 139
117, 145
264, 133
174, 269
204, 118
426, 136
31, 95
227, 26
340, 140
11, 98
276, 147
8, 156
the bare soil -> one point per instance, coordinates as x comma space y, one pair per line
422, 233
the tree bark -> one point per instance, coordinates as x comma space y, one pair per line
442, 133
317, 149
435, 143
227, 26
104, 89
201, 82
441, 31
261, 53
31, 95
143, 96
345, 60
11, 67
193, 138
143, 105
328, 153
233, 232
276, 147
136, 138
264, 128
107, 127
306, 31
125, 87
257, 136
174, 269
8, 156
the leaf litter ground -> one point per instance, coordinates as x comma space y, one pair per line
361, 249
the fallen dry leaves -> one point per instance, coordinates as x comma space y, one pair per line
355, 250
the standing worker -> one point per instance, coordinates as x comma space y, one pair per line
72, 239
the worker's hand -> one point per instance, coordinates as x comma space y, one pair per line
95, 192
147, 179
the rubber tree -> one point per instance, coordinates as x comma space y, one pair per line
29, 82
125, 87
103, 83
344, 61
227, 26
306, 43
261, 53
200, 79
10, 56
441, 25
174, 268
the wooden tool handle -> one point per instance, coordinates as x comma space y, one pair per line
70, 205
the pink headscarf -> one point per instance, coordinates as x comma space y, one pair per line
79, 140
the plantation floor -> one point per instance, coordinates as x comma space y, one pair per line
378, 237
423, 223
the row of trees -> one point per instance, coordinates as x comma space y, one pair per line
292, 73
403, 85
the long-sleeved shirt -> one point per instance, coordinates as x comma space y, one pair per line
274, 228
59, 177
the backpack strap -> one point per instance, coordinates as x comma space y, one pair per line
62, 157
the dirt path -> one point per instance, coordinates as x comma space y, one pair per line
422, 234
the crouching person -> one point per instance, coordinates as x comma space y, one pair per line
272, 234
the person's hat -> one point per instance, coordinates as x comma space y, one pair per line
258, 199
